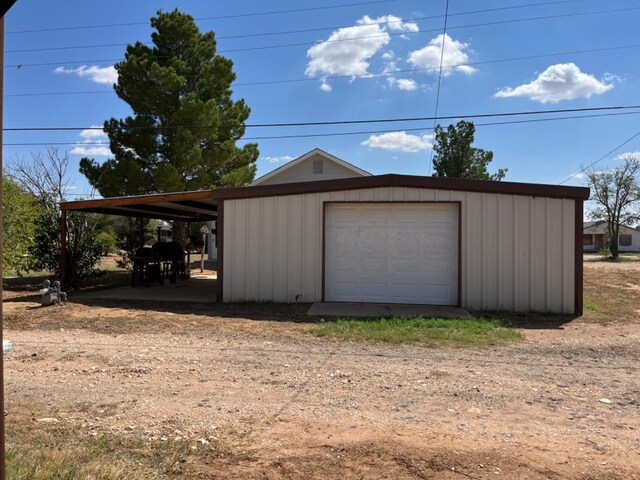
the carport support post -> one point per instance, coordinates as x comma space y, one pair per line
141, 220
64, 266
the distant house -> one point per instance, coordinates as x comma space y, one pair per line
312, 166
594, 233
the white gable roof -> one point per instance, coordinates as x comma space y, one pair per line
357, 172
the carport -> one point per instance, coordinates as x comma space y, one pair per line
198, 206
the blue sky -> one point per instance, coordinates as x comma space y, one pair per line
387, 55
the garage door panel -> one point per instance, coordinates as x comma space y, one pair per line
345, 264
373, 266
392, 253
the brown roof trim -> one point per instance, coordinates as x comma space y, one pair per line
137, 200
411, 181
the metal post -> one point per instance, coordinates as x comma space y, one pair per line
204, 242
2, 459
64, 260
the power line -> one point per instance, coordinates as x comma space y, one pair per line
444, 40
318, 29
335, 77
412, 19
365, 132
342, 122
221, 17
386, 34
582, 170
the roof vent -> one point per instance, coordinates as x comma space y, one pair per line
317, 166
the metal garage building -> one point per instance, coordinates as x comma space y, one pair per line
404, 239
481, 245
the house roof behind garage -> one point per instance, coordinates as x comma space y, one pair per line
180, 206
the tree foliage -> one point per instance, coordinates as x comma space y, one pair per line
615, 192
19, 219
456, 157
45, 178
185, 125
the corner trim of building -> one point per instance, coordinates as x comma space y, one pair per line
579, 264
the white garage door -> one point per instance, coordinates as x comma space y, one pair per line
392, 253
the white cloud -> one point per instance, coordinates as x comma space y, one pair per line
283, 158
325, 87
402, 83
563, 81
348, 50
455, 53
94, 133
388, 55
393, 23
94, 142
94, 150
104, 75
400, 142
629, 156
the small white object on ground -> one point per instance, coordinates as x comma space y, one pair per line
605, 400
7, 346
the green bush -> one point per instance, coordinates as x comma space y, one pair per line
107, 242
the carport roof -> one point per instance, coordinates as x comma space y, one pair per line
180, 206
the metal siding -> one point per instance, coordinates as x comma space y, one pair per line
517, 252
413, 194
568, 255
427, 195
522, 253
383, 194
267, 238
281, 250
229, 253
311, 243
295, 242
252, 267
554, 255
472, 294
238, 263
489, 252
537, 258
506, 259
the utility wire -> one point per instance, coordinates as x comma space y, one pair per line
367, 132
221, 17
582, 170
385, 35
334, 77
317, 29
342, 122
444, 41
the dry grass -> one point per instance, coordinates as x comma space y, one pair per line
60, 450
611, 294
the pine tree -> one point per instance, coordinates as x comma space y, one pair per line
183, 131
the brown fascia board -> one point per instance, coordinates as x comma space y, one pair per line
410, 181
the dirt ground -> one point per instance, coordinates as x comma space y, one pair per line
280, 403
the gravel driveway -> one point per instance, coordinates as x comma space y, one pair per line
563, 404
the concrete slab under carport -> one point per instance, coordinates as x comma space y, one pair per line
197, 289
374, 310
